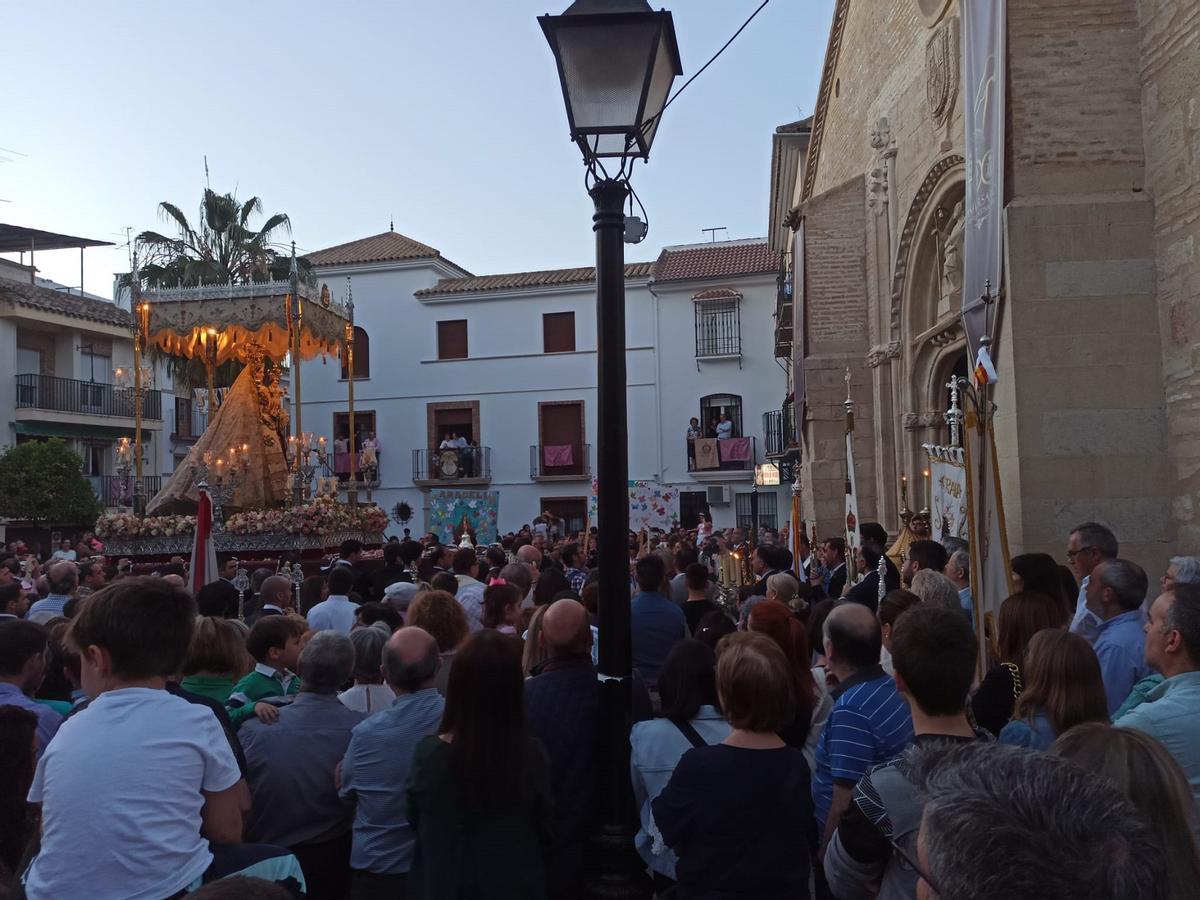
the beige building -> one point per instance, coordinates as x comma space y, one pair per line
1098, 344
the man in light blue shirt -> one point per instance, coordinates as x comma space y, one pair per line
22, 668
958, 570
336, 611
1115, 592
1088, 545
63, 579
376, 767
1171, 711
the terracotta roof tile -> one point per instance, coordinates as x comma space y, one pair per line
384, 247
518, 280
717, 294
48, 300
716, 260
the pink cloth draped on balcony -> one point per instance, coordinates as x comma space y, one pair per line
558, 455
735, 449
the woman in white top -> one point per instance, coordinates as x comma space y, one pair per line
369, 693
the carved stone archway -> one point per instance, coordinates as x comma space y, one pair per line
930, 338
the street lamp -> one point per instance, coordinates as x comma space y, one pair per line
616, 62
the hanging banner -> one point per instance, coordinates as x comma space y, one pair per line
800, 398
983, 83
448, 510
651, 505
991, 574
948, 507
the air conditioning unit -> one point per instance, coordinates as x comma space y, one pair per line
718, 493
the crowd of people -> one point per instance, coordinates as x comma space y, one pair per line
429, 727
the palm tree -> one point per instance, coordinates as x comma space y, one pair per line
223, 249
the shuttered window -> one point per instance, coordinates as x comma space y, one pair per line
558, 332
452, 339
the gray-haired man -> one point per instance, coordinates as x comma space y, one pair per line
376, 766
290, 766
1003, 822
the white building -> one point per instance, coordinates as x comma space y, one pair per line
509, 362
62, 357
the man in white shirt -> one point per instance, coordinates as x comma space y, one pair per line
724, 428
1088, 545
336, 611
156, 769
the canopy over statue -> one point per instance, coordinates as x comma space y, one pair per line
249, 323
186, 321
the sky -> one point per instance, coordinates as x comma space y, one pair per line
445, 117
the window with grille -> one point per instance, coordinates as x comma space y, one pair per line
452, 339
768, 509
718, 327
558, 332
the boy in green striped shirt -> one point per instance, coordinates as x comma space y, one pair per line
274, 642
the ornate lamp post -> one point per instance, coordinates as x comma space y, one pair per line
141, 328
352, 484
616, 62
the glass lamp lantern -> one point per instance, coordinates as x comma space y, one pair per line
616, 62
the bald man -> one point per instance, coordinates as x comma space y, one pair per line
275, 599
378, 761
562, 704
869, 724
177, 581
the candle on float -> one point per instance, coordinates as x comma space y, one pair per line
928, 490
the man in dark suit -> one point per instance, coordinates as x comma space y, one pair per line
399, 559
833, 555
866, 591
276, 596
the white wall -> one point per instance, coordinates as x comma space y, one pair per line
508, 374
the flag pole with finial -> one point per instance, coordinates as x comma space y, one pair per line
853, 542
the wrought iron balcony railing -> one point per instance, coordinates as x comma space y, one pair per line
118, 490
92, 398
710, 456
467, 464
779, 431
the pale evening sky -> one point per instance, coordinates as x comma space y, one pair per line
446, 116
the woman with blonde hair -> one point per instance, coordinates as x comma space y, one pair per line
1150, 778
216, 658
534, 654
1063, 688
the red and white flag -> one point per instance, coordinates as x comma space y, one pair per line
985, 370
204, 553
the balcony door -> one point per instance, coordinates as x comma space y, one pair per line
561, 448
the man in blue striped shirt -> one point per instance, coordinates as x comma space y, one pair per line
870, 723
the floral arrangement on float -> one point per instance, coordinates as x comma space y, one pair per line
321, 516
126, 526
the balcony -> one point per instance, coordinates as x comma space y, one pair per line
117, 490
712, 459
560, 462
448, 468
779, 431
91, 398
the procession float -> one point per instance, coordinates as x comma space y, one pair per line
255, 483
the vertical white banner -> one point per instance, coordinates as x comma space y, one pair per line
799, 399
983, 82
949, 508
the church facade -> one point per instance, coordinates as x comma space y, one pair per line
1098, 323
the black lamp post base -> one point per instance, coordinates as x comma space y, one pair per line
621, 874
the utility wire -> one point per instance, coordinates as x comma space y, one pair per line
710, 62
